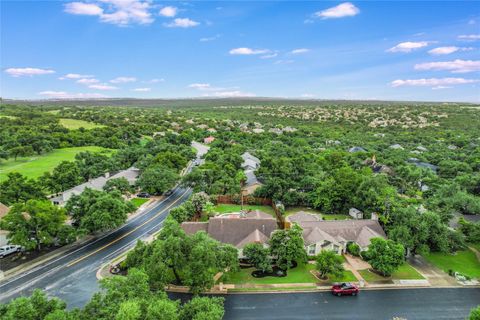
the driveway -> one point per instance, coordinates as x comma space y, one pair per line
434, 275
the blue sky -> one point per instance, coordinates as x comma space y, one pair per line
390, 50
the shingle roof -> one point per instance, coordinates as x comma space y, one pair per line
360, 231
234, 229
131, 174
251, 178
3, 210
315, 235
303, 216
254, 237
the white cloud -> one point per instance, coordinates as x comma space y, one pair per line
269, 56
156, 80
21, 72
75, 76
229, 94
441, 87
432, 82
66, 95
346, 9
207, 39
102, 87
300, 51
284, 61
455, 66
200, 86
182, 23
87, 81
168, 11
247, 51
119, 12
123, 80
142, 89
82, 8
408, 46
447, 50
469, 37
307, 95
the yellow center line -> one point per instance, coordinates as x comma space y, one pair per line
126, 234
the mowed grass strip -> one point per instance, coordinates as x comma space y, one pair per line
137, 202
465, 262
229, 208
300, 274
74, 124
404, 272
34, 166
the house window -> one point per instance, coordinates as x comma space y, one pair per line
311, 250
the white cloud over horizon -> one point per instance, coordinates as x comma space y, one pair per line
182, 23
75, 76
346, 9
448, 50
87, 81
168, 11
118, 12
432, 82
142, 89
123, 80
469, 37
28, 72
103, 86
50, 94
300, 51
408, 46
247, 51
455, 66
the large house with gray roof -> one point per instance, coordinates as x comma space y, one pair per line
335, 235
250, 165
237, 229
131, 174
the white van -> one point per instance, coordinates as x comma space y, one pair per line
9, 249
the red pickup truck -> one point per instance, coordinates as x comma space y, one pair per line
344, 289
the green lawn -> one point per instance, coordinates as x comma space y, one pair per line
300, 274
293, 210
465, 262
74, 124
35, 166
301, 288
404, 272
347, 276
335, 217
137, 202
227, 208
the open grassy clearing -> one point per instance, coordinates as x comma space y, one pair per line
335, 217
300, 274
228, 208
465, 262
292, 210
404, 272
301, 288
137, 202
34, 166
74, 124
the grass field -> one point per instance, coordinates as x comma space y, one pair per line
74, 124
347, 276
300, 274
137, 202
335, 217
404, 272
465, 262
292, 210
35, 166
227, 208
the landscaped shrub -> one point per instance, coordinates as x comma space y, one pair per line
353, 249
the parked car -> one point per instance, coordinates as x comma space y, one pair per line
168, 193
345, 289
9, 249
143, 195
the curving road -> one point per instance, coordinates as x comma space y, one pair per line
72, 277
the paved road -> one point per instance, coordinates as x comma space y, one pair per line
72, 276
372, 305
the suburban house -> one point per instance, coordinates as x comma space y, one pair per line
335, 235
250, 165
131, 174
3, 233
237, 229
208, 139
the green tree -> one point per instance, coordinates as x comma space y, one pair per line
287, 246
94, 210
329, 263
258, 256
36, 307
475, 314
63, 177
157, 179
203, 308
92, 165
120, 184
34, 224
17, 188
385, 256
